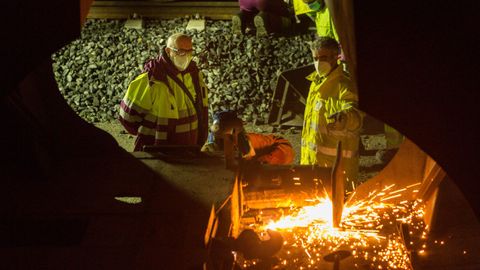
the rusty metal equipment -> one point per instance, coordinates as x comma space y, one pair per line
258, 192
173, 151
336, 257
289, 97
338, 189
264, 193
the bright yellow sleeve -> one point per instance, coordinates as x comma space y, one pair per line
138, 95
300, 7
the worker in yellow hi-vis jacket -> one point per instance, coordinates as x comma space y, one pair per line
168, 102
330, 113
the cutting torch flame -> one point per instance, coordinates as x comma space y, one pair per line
360, 229
320, 214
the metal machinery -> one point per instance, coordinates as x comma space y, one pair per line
388, 222
289, 97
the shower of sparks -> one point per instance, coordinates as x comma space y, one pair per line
369, 228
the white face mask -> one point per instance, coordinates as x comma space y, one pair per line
322, 67
181, 62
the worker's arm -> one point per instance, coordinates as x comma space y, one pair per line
350, 120
271, 149
136, 104
343, 115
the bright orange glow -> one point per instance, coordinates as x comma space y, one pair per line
369, 228
320, 214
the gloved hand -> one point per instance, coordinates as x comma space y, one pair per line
340, 122
209, 147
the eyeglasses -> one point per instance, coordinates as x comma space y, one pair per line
181, 52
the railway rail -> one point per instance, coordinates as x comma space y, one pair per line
215, 10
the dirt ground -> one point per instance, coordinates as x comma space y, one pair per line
373, 144
126, 140
115, 129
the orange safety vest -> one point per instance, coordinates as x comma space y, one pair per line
271, 149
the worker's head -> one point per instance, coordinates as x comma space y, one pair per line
179, 49
315, 5
325, 52
224, 123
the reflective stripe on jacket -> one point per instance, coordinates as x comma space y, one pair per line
159, 112
326, 97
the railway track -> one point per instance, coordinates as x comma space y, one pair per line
215, 10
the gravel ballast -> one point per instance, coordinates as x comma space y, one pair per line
241, 71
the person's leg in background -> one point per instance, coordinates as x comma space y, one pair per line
274, 17
243, 20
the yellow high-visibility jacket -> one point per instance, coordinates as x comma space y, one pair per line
326, 97
157, 110
300, 7
324, 24
323, 20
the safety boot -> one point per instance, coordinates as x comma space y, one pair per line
260, 25
237, 26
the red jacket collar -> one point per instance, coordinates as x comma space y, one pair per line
162, 65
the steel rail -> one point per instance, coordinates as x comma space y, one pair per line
218, 10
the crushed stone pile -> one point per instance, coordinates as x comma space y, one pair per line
241, 71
